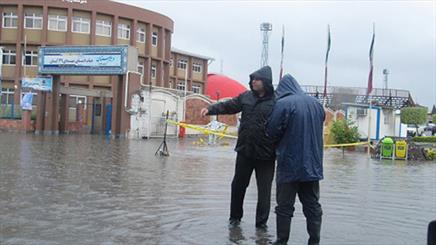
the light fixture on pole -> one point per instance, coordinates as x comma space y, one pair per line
184, 93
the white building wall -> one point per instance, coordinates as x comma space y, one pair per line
389, 123
400, 128
149, 119
362, 121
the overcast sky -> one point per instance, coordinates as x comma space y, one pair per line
229, 31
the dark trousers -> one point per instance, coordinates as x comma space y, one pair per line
264, 175
308, 193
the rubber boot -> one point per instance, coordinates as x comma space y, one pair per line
283, 230
314, 230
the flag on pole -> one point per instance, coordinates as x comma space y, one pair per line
371, 56
329, 41
282, 52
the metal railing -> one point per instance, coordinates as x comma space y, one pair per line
10, 111
313, 89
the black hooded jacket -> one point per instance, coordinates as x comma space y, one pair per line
252, 140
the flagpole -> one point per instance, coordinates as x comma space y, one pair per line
369, 123
282, 53
325, 66
369, 91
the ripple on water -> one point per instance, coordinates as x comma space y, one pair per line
90, 190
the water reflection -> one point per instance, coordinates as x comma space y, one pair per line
65, 189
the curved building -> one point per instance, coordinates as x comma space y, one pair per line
28, 24
25, 25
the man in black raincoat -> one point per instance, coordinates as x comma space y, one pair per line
254, 149
296, 123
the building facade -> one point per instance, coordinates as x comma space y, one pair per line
25, 25
191, 66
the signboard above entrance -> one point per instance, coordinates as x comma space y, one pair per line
87, 60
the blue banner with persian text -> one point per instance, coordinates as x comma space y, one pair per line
83, 60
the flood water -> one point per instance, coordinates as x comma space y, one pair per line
91, 190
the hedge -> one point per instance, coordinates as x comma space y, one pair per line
426, 139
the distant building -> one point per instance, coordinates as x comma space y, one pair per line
193, 67
385, 121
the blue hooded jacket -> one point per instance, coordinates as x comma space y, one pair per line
296, 124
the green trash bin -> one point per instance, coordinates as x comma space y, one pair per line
387, 147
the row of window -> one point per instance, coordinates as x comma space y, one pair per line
196, 88
180, 85
7, 98
30, 58
79, 25
7, 95
153, 69
183, 64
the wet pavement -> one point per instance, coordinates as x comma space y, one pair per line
91, 190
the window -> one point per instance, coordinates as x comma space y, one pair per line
171, 62
141, 67
181, 85
7, 96
103, 28
387, 117
182, 64
10, 20
30, 58
74, 100
154, 39
153, 71
123, 31
9, 57
196, 67
81, 25
32, 21
196, 88
57, 23
361, 112
140, 35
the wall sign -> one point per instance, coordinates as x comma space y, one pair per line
38, 83
83, 60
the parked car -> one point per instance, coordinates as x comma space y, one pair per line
430, 130
411, 130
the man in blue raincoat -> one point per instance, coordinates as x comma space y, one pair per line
296, 124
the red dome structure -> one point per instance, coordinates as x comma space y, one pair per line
223, 87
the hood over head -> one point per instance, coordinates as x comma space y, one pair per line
288, 86
264, 74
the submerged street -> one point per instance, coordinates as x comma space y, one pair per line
81, 189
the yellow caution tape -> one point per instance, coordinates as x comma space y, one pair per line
202, 129
343, 145
223, 134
